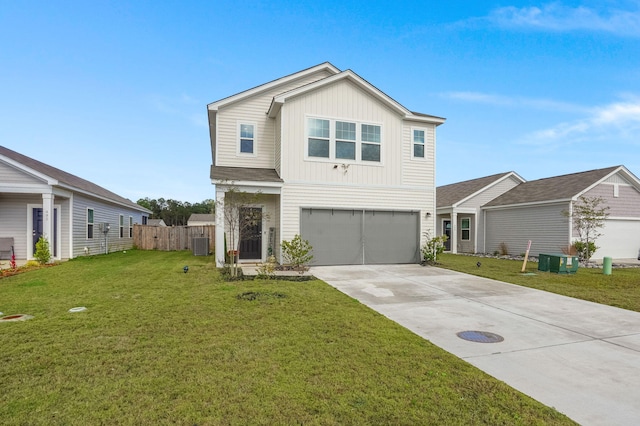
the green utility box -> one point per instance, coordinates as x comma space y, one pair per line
563, 264
543, 262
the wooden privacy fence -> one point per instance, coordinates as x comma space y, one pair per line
168, 238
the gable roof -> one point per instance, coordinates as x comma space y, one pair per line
202, 217
363, 84
325, 66
455, 193
57, 177
558, 188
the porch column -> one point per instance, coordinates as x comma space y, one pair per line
454, 232
220, 231
47, 220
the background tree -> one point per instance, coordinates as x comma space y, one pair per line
174, 212
588, 217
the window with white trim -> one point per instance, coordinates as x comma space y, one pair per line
89, 224
130, 226
247, 139
121, 226
418, 141
343, 140
465, 229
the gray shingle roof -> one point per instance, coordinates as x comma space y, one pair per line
233, 174
448, 195
67, 179
202, 217
549, 189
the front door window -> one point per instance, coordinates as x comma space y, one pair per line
446, 225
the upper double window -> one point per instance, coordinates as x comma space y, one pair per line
343, 140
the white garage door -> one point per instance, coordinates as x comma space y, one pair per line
354, 237
620, 239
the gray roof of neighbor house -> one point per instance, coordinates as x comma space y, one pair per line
549, 189
448, 195
68, 180
156, 222
202, 217
233, 174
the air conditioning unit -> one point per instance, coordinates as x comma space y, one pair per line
200, 246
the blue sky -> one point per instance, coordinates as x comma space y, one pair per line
116, 92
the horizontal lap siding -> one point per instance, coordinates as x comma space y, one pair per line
626, 204
13, 215
11, 175
545, 226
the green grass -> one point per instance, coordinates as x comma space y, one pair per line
621, 288
158, 346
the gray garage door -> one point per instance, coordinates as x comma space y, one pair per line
353, 237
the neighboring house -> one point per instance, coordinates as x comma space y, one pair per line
337, 161
76, 216
534, 211
459, 212
201, 219
156, 222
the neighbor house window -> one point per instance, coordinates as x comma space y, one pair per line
318, 138
145, 220
465, 229
418, 143
89, 224
121, 226
370, 142
343, 140
247, 138
130, 227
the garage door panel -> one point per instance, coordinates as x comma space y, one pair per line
335, 235
620, 239
391, 237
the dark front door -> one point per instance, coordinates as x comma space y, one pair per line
37, 230
446, 225
251, 233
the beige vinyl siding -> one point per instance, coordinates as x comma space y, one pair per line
13, 215
418, 171
278, 145
341, 101
349, 197
466, 246
252, 110
545, 226
626, 204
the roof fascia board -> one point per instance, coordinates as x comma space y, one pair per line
532, 203
594, 184
25, 188
29, 170
278, 100
267, 86
100, 197
495, 182
622, 170
251, 187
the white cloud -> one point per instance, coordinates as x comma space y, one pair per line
557, 17
619, 121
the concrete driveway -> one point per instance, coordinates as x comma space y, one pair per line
579, 357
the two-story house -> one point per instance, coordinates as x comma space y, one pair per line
336, 160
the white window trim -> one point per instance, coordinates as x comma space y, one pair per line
121, 226
130, 226
426, 133
238, 138
332, 142
463, 229
93, 223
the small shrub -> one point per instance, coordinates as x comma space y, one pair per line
297, 253
433, 247
581, 249
503, 248
42, 254
268, 269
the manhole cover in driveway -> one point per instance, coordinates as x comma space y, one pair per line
480, 336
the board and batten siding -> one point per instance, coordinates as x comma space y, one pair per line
102, 213
252, 110
297, 196
341, 101
545, 226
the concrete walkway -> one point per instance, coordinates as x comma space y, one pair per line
579, 357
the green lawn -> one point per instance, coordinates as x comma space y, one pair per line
158, 346
621, 288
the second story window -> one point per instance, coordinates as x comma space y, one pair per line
418, 143
247, 139
343, 140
